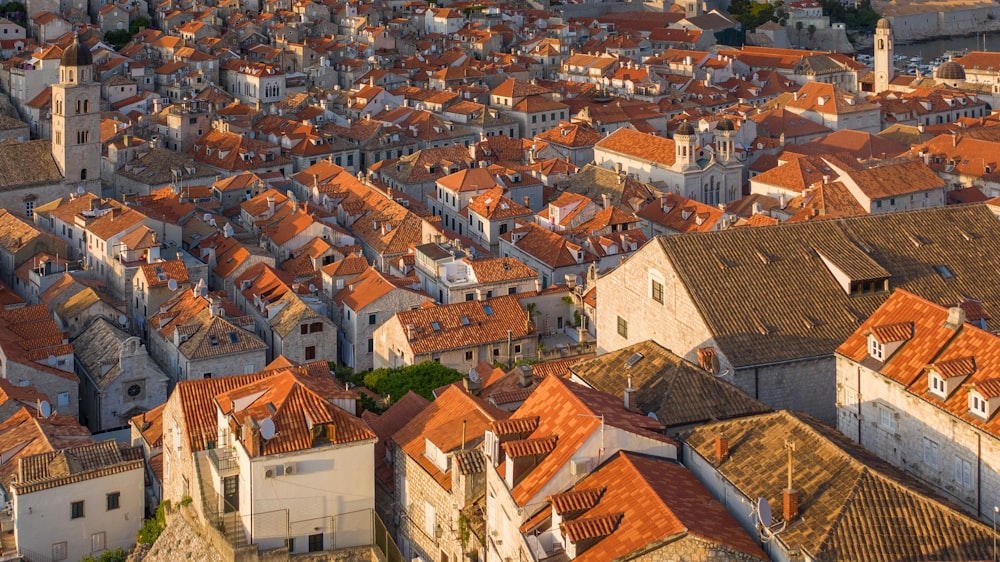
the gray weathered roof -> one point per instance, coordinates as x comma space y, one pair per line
677, 391
767, 295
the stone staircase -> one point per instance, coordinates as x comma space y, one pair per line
227, 523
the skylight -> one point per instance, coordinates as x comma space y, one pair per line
436, 326
465, 320
944, 272
488, 310
233, 338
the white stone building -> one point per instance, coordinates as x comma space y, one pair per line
692, 170
78, 502
916, 386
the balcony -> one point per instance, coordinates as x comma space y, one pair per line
225, 461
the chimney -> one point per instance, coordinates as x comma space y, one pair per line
956, 317
270, 204
629, 391
605, 201
663, 201
315, 180
524, 376
721, 448
527, 201
790, 503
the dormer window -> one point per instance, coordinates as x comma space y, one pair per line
436, 456
938, 385
984, 398
876, 349
978, 405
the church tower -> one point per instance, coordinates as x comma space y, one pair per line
685, 143
76, 118
884, 63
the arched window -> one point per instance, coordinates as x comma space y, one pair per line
79, 105
83, 174
86, 106
881, 44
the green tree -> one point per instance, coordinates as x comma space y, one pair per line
812, 32
118, 38
422, 379
137, 23
798, 32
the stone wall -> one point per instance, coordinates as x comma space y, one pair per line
419, 488
694, 549
900, 435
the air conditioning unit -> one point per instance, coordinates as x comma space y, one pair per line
270, 473
579, 467
290, 468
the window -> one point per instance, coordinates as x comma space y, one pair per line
316, 542
517, 348
62, 399
97, 542
470, 296
887, 418
875, 348
371, 319
978, 405
304, 329
83, 174
76, 510
29, 208
930, 453
114, 500
371, 345
429, 519
310, 353
657, 291
315, 327
512, 291
496, 352
622, 327
290, 544
59, 551
963, 473
468, 356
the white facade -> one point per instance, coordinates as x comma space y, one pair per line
45, 526
331, 493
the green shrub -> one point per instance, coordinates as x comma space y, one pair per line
116, 555
152, 527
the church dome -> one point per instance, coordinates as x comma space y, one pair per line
725, 125
882, 24
77, 54
951, 70
685, 128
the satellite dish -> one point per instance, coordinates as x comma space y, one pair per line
267, 429
79, 190
653, 415
312, 288
764, 511
172, 284
44, 408
724, 373
52, 360
123, 320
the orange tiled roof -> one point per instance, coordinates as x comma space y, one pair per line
443, 423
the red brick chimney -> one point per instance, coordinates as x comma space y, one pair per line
721, 448
790, 503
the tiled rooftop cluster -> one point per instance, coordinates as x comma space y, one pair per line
639, 246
